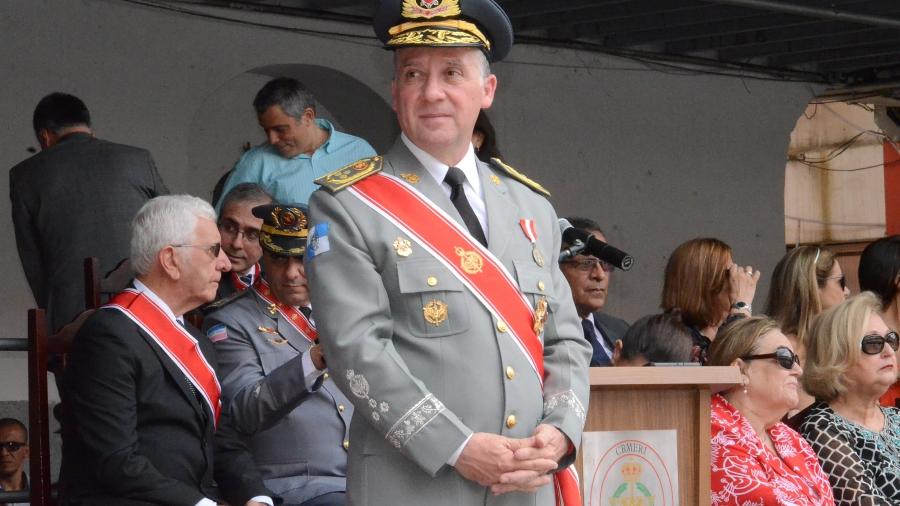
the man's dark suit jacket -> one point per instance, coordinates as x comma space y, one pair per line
71, 201
135, 433
611, 328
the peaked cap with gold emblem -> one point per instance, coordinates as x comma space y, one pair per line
445, 23
284, 229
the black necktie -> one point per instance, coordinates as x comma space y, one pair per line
599, 357
307, 312
247, 279
455, 179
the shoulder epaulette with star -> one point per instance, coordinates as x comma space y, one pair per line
350, 174
518, 176
220, 303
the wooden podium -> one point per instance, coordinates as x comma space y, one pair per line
657, 398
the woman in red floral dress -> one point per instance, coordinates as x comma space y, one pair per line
757, 460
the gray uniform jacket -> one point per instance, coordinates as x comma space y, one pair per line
76, 200
420, 389
296, 436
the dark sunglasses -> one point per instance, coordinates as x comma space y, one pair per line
842, 280
783, 355
873, 344
11, 446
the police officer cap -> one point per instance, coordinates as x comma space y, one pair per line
475, 23
284, 229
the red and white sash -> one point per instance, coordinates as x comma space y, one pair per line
441, 236
290, 313
239, 285
174, 340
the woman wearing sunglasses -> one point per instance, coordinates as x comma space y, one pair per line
755, 458
806, 281
879, 272
850, 363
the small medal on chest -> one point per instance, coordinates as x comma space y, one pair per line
530, 231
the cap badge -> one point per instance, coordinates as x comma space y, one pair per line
403, 247
428, 9
470, 261
435, 312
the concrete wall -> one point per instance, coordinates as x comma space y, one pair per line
657, 156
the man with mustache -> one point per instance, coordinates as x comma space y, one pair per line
294, 418
588, 278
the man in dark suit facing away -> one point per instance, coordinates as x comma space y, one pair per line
588, 278
73, 200
145, 423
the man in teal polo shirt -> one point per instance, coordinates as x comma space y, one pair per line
299, 147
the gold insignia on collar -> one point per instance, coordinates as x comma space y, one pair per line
495, 179
540, 315
435, 312
410, 178
403, 247
272, 309
266, 330
470, 261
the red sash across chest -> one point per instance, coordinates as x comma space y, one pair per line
291, 314
473, 265
174, 340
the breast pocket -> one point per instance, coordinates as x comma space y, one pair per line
535, 283
435, 302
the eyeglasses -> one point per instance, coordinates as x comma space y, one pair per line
873, 344
11, 446
841, 279
785, 357
232, 230
212, 249
588, 264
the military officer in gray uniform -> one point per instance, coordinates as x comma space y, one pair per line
274, 384
452, 406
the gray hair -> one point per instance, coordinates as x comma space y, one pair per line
482, 60
246, 192
287, 93
161, 221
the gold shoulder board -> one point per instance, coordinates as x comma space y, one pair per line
347, 176
518, 176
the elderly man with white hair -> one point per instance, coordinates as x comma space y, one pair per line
146, 425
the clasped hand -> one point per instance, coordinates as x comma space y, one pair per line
508, 464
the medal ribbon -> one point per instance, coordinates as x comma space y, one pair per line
291, 314
175, 341
529, 229
493, 286
240, 285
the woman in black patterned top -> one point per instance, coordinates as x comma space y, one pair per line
850, 363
